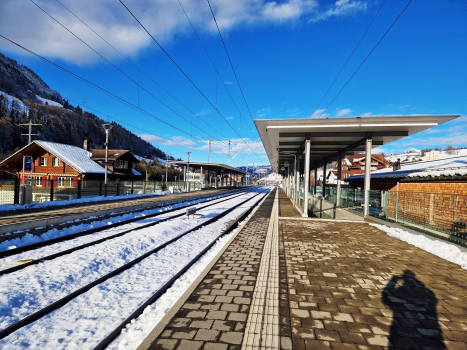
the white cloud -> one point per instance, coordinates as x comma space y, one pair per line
343, 112
317, 114
173, 141
263, 112
341, 8
163, 19
150, 138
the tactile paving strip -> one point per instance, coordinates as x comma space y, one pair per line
262, 329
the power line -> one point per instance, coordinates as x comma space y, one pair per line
400, 14
181, 70
139, 69
217, 72
115, 66
106, 92
349, 57
133, 126
228, 56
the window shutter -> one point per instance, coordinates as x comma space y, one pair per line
36, 161
55, 181
60, 163
75, 182
43, 181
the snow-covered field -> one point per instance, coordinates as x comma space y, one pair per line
89, 318
34, 205
444, 250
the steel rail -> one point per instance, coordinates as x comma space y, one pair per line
79, 247
102, 345
36, 245
61, 302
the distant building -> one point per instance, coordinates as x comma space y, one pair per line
54, 161
355, 165
122, 161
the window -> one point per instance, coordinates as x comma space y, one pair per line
38, 181
121, 164
69, 182
374, 168
43, 161
55, 161
61, 182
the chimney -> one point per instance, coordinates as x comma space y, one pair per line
85, 144
397, 165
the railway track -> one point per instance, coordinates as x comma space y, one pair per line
46, 311
37, 245
9, 220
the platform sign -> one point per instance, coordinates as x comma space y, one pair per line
107, 163
27, 164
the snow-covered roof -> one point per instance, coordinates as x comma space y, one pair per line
75, 157
442, 167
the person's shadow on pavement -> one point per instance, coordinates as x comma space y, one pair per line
415, 319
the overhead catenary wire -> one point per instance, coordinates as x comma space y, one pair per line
366, 58
164, 104
186, 76
348, 59
138, 68
106, 92
214, 66
228, 56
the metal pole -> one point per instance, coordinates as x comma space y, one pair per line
306, 180
188, 172
209, 154
316, 180
366, 189
339, 175
106, 154
397, 202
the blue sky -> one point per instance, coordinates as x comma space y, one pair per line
285, 53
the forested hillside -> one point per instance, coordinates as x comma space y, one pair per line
21, 103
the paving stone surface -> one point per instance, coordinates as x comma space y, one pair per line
352, 286
287, 209
214, 316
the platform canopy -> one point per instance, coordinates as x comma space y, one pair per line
217, 167
283, 139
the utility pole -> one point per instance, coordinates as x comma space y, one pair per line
167, 165
30, 131
188, 172
107, 128
247, 171
209, 156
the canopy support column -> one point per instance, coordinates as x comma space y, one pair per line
339, 176
366, 188
306, 180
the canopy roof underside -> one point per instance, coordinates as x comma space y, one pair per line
283, 139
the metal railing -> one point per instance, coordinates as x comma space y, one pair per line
69, 189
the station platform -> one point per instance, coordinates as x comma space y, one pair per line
287, 282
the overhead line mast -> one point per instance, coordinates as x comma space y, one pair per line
181, 70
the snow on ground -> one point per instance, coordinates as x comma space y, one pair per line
61, 246
49, 102
57, 232
444, 250
8, 102
35, 205
86, 320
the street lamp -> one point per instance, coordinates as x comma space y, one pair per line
107, 128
